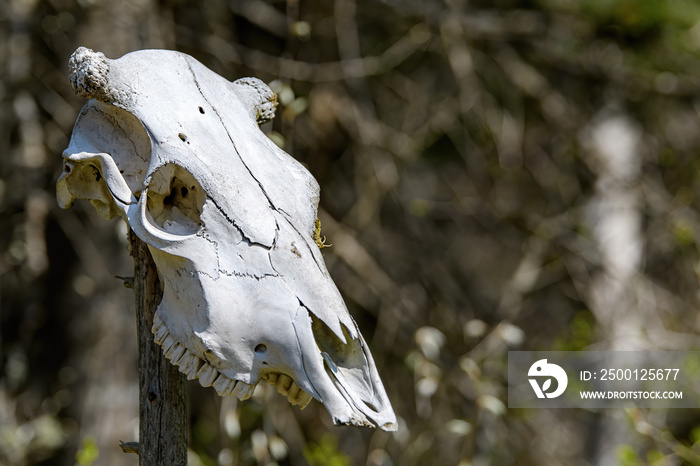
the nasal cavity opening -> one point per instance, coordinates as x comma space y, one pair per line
370, 406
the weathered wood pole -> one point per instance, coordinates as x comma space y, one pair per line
162, 402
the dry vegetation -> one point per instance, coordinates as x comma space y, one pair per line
495, 175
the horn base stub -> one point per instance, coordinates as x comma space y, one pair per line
88, 73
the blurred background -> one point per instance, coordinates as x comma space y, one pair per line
495, 175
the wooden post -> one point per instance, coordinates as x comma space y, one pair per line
162, 402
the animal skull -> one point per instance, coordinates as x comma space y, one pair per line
176, 151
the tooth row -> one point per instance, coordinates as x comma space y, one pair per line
289, 388
192, 365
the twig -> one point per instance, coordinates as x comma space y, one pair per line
130, 447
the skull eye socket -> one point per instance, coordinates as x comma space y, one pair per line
175, 200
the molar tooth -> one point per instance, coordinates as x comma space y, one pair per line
160, 333
243, 390
191, 370
168, 343
293, 394
223, 385
283, 384
304, 399
207, 375
189, 364
175, 352
182, 358
272, 378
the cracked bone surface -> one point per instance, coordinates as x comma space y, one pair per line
175, 150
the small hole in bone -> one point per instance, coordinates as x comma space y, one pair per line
168, 200
182, 136
264, 363
201, 110
260, 348
66, 168
183, 191
98, 175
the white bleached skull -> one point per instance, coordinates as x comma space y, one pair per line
229, 218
